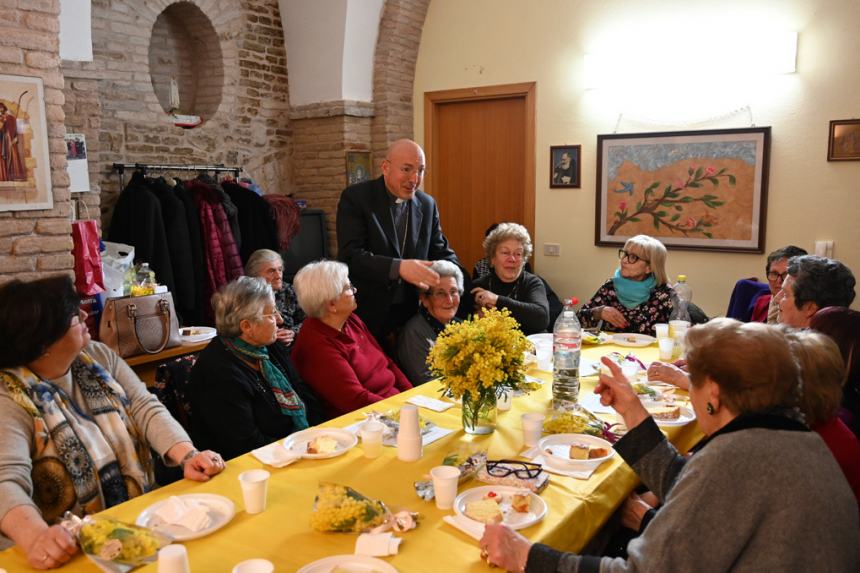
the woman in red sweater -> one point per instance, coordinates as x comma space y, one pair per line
334, 351
823, 370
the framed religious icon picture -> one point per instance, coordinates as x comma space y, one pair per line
697, 190
844, 141
357, 167
25, 171
565, 166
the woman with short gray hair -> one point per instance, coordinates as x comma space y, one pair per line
245, 392
335, 352
509, 285
269, 266
438, 306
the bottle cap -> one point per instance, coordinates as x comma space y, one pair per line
682, 278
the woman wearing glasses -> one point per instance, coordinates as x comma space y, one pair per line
438, 306
79, 427
637, 296
509, 285
243, 395
335, 352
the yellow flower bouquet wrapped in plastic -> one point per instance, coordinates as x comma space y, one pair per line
115, 545
477, 360
341, 508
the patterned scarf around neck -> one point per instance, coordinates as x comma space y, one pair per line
633, 293
87, 454
287, 399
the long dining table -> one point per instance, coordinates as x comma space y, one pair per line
577, 508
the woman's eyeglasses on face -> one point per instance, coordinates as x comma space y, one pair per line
516, 255
79, 318
775, 276
631, 258
349, 289
445, 294
504, 468
274, 314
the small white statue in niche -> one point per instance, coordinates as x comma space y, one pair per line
174, 96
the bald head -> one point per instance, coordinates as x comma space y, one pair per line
403, 168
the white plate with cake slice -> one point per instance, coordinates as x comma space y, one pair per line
517, 508
320, 443
669, 414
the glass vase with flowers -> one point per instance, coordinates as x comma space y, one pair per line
477, 360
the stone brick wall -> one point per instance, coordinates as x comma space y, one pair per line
250, 126
394, 72
36, 243
324, 132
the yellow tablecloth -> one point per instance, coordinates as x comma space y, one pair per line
577, 508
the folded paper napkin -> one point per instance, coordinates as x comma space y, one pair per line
431, 403
578, 474
377, 544
186, 513
471, 528
275, 455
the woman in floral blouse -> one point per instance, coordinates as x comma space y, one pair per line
269, 266
637, 296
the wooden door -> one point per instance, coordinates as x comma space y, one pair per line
480, 152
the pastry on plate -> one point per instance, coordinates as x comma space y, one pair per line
323, 445
484, 510
521, 501
666, 413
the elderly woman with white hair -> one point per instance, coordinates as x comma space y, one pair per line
269, 266
438, 306
509, 285
242, 395
637, 296
335, 352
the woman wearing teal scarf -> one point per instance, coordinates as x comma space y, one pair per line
245, 393
637, 296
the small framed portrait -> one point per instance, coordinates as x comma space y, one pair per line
565, 163
844, 144
357, 167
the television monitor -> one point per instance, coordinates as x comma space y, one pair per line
310, 244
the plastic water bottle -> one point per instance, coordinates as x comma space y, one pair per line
681, 300
566, 343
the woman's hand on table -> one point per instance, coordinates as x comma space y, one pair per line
615, 391
613, 316
505, 548
200, 466
669, 373
51, 548
484, 298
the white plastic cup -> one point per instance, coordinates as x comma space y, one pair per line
676, 326
505, 401
371, 438
173, 559
445, 481
667, 347
532, 428
662, 330
255, 566
409, 421
255, 484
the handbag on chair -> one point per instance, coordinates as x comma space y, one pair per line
133, 325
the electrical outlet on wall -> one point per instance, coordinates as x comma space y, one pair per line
552, 249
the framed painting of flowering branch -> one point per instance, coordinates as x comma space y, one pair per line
697, 190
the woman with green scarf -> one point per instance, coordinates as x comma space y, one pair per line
637, 296
244, 392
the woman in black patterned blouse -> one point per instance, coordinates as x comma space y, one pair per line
637, 296
269, 266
